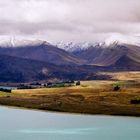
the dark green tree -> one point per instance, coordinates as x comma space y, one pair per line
78, 83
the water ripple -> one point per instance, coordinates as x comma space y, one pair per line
59, 131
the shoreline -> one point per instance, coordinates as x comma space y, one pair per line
67, 112
91, 97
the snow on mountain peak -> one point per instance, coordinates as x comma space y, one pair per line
71, 46
119, 39
116, 39
18, 42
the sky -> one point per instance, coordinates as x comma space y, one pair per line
69, 20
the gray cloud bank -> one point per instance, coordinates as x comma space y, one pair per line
69, 20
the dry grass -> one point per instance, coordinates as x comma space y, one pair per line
94, 97
124, 75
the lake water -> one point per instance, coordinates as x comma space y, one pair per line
18, 124
7, 87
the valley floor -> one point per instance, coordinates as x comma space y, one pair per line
92, 97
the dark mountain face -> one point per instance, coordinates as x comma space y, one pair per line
43, 52
19, 70
101, 56
125, 63
108, 56
14, 69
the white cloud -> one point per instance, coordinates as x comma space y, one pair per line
68, 20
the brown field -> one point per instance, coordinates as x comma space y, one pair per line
93, 97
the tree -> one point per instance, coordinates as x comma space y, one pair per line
116, 88
78, 83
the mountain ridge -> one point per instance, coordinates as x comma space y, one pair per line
99, 54
44, 61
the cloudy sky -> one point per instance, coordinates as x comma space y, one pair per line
69, 20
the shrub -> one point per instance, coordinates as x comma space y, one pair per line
135, 101
116, 88
78, 83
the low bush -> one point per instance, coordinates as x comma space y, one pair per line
135, 101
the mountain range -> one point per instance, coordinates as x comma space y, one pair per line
34, 60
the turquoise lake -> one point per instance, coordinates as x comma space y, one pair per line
20, 124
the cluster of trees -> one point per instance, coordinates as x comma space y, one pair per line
63, 84
135, 101
5, 90
49, 84
22, 86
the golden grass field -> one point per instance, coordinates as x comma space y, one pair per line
93, 97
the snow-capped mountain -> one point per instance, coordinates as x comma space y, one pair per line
23, 59
119, 39
105, 53
112, 41
108, 52
76, 47
19, 42
37, 50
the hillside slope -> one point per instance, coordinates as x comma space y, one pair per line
14, 69
42, 52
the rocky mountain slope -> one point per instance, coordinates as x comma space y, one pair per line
14, 69
24, 60
106, 53
38, 50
